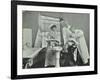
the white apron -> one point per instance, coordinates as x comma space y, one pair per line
82, 47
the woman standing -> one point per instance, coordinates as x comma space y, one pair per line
52, 41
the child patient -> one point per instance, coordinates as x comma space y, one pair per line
67, 54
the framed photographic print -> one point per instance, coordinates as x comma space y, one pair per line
53, 39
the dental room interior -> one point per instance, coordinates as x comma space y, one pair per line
55, 39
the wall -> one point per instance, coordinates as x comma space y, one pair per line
30, 20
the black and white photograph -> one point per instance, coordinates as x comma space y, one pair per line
53, 39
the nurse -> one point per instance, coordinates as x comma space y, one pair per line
52, 41
82, 46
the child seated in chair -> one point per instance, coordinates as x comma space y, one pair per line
67, 54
